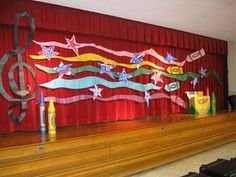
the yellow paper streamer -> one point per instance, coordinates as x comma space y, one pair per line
95, 57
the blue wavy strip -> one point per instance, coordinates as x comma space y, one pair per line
90, 81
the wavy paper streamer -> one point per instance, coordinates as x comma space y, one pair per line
90, 81
69, 99
80, 45
136, 73
181, 77
193, 56
84, 97
135, 98
95, 57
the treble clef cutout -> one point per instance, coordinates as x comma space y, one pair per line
22, 92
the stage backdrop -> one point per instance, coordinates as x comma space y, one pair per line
99, 68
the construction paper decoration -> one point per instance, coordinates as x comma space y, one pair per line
174, 70
22, 91
63, 69
87, 82
95, 57
202, 72
156, 77
136, 73
137, 59
147, 97
179, 101
106, 68
181, 77
136, 98
196, 55
48, 52
72, 44
96, 91
81, 45
172, 86
190, 58
170, 58
123, 76
72, 70
194, 82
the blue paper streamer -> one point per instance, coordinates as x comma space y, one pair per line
90, 81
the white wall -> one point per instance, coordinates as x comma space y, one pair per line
232, 67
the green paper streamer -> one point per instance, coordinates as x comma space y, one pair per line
136, 73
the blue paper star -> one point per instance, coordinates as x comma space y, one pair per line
123, 76
170, 58
194, 82
137, 59
202, 72
63, 69
106, 68
48, 52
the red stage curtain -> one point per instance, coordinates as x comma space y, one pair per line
55, 23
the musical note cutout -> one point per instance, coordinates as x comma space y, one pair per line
22, 91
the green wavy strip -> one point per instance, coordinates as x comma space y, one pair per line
181, 77
136, 73
90, 81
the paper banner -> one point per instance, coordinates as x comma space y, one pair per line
136, 73
90, 81
193, 56
95, 57
80, 45
181, 77
135, 98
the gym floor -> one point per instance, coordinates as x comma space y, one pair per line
191, 164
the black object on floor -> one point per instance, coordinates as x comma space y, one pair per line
194, 174
232, 101
220, 168
233, 159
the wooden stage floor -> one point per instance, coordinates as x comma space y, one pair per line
118, 148
24, 138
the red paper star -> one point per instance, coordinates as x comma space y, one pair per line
72, 44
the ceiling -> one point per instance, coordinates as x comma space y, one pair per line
213, 18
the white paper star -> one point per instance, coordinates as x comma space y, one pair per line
147, 97
156, 77
96, 91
